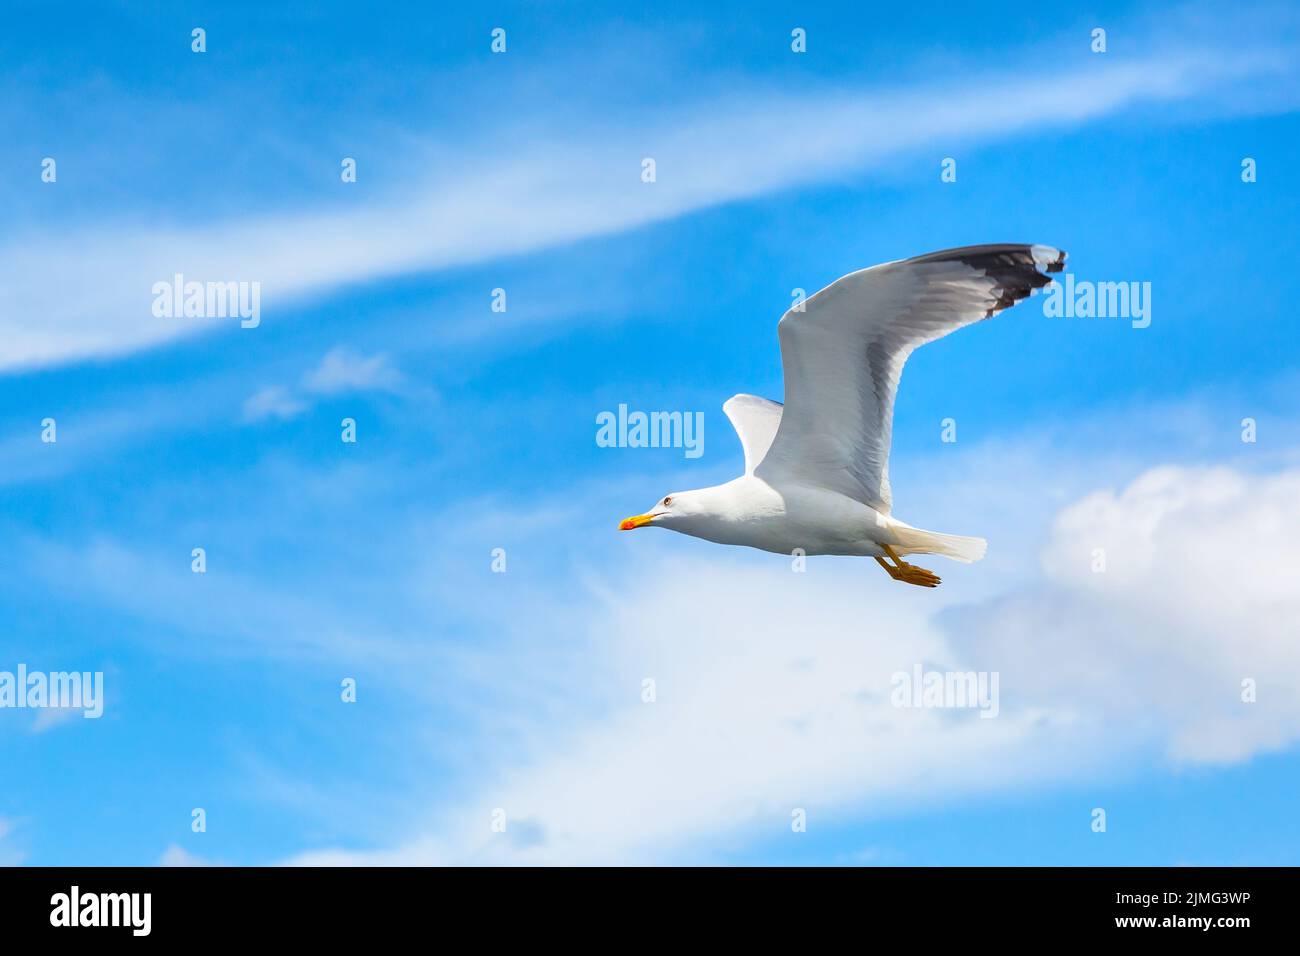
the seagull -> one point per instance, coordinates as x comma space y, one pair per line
816, 475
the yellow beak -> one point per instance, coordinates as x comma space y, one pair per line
635, 521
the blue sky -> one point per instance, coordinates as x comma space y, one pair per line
476, 430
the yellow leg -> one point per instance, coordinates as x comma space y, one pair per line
907, 573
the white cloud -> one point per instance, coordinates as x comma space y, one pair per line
773, 687
1199, 582
243, 613
85, 293
49, 717
176, 855
341, 370
273, 401
9, 856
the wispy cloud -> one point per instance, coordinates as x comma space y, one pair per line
340, 371
273, 401
88, 292
176, 855
242, 613
9, 855
773, 688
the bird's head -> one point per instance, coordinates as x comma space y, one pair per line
670, 511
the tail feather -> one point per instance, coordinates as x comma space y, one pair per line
955, 546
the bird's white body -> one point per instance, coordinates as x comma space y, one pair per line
816, 475
749, 512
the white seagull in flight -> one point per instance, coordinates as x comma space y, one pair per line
817, 469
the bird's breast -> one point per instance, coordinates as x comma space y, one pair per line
785, 519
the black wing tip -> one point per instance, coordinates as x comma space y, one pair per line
1049, 258
1018, 269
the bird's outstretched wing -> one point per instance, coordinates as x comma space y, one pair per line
844, 352
755, 420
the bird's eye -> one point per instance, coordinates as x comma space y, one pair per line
668, 501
